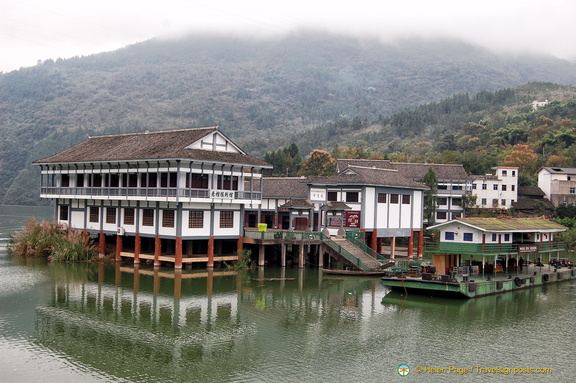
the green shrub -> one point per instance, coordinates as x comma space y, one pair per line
53, 241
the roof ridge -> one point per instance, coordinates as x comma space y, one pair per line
215, 127
372, 168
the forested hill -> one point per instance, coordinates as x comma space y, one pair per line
260, 92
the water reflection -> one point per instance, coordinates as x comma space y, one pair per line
152, 324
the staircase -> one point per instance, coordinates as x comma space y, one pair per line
355, 255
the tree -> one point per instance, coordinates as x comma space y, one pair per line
431, 181
319, 163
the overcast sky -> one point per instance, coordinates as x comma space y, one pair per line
32, 30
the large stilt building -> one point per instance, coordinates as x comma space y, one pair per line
177, 196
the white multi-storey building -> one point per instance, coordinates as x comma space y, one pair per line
559, 184
499, 190
180, 193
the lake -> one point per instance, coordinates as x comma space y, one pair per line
117, 323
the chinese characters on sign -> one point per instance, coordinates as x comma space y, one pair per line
225, 194
318, 195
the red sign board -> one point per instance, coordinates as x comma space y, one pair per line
352, 218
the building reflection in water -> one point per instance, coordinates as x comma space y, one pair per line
154, 324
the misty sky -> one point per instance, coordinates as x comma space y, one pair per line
32, 30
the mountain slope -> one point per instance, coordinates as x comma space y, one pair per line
258, 91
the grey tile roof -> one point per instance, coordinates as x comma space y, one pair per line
168, 144
296, 204
533, 191
357, 175
282, 187
411, 170
558, 170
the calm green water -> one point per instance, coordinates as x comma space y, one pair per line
112, 323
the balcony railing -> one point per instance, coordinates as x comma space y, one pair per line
142, 192
492, 249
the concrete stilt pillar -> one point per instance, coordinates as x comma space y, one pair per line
411, 245
102, 244
283, 255
178, 255
157, 251
320, 256
300, 256
210, 264
240, 247
261, 254
374, 239
392, 247
118, 257
421, 243
117, 275
177, 284
137, 248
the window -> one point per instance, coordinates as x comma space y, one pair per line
483, 201
473, 186
572, 190
457, 201
405, 199
63, 213
495, 187
494, 237
196, 220
393, 198
381, 197
228, 182
65, 180
513, 173
513, 187
449, 235
129, 216
503, 187
226, 219
94, 213
456, 187
333, 196
484, 186
504, 173
442, 201
167, 218
351, 196
199, 181
148, 217
469, 237
506, 237
80, 180
111, 215
503, 202
441, 215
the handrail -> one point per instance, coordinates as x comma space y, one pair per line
494, 249
347, 255
143, 192
367, 249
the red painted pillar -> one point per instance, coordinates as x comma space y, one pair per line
240, 247
374, 239
411, 245
157, 251
421, 243
102, 244
210, 264
137, 249
118, 248
178, 255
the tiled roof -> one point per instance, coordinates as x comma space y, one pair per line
169, 144
512, 224
356, 175
337, 205
282, 187
530, 191
558, 170
412, 170
533, 204
296, 204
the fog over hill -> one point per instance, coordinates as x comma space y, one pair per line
261, 92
